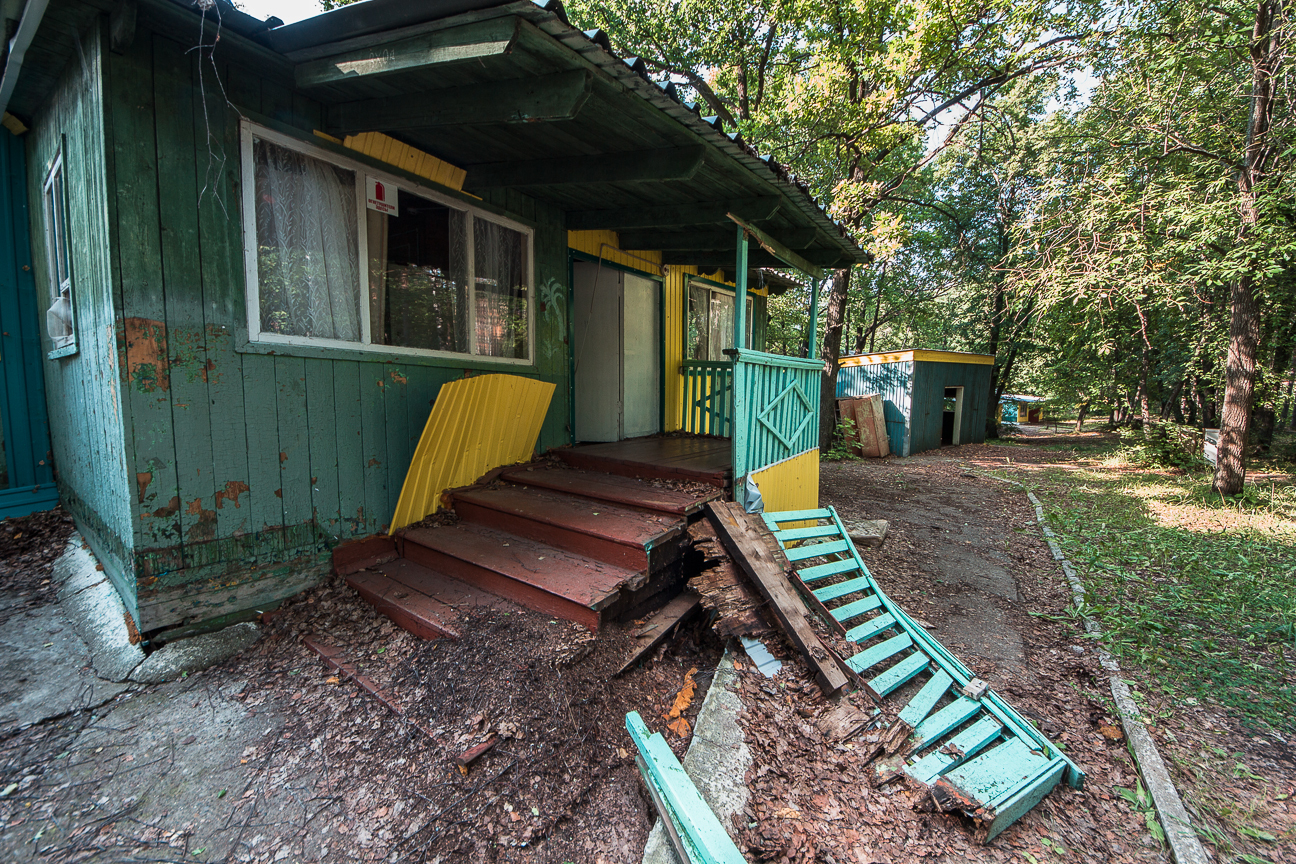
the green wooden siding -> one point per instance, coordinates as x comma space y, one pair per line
86, 411
929, 383
250, 466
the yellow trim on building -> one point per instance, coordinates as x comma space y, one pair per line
387, 149
476, 424
792, 484
923, 354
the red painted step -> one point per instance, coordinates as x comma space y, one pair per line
535, 575
694, 458
625, 491
597, 529
426, 603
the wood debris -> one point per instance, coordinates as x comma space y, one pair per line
723, 589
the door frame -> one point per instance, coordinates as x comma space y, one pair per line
575, 256
958, 411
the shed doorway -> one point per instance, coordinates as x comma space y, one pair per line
952, 417
617, 356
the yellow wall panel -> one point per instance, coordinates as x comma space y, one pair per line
476, 424
387, 149
792, 484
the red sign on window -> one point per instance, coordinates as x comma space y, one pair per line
382, 197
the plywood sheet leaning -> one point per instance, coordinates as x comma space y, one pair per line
870, 424
954, 738
476, 425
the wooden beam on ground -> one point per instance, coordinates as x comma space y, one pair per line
490, 38
779, 250
659, 625
672, 216
672, 163
523, 100
702, 239
755, 551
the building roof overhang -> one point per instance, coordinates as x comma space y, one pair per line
518, 98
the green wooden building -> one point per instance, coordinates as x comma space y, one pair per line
258, 251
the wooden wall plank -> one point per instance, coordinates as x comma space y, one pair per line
395, 389
321, 414
349, 430
373, 451
177, 195
261, 405
294, 440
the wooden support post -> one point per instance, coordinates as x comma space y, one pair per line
813, 351
740, 292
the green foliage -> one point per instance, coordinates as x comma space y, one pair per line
1194, 590
1165, 445
845, 439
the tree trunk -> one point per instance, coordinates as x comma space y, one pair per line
1239, 387
1244, 324
1080, 417
997, 381
830, 352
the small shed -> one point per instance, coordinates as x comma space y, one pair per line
1020, 409
930, 398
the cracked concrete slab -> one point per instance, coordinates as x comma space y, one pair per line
190, 655
91, 603
717, 759
45, 670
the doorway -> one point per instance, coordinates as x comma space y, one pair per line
617, 355
952, 417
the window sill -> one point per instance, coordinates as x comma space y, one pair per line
369, 355
65, 351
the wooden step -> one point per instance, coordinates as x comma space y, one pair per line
532, 574
596, 529
624, 491
426, 603
659, 459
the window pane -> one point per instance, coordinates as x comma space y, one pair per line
500, 256
722, 324
699, 298
418, 276
308, 251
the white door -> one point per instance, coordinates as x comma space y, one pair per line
641, 359
617, 354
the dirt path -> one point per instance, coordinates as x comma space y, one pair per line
964, 556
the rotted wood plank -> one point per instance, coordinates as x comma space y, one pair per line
659, 625
763, 562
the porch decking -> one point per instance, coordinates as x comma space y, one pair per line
700, 458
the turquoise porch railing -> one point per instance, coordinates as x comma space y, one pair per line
707, 397
775, 409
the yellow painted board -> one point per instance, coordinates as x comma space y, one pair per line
923, 354
792, 484
476, 424
387, 149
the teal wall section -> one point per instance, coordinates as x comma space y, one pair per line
929, 383
86, 413
246, 466
23, 421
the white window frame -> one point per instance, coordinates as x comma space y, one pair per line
249, 131
54, 214
748, 322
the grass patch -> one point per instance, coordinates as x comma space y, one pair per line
1200, 591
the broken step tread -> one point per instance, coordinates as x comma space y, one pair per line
575, 578
454, 593
416, 612
604, 520
613, 488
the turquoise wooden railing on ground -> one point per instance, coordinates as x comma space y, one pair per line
974, 751
775, 409
707, 397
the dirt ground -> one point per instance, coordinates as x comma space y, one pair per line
273, 757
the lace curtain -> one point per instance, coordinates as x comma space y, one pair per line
308, 257
499, 254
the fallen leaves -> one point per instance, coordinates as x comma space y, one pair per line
678, 724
